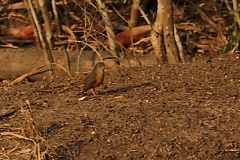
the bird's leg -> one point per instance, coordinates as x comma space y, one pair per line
83, 93
93, 91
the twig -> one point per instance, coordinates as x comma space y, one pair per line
67, 58
18, 136
38, 152
92, 49
142, 12
11, 150
118, 13
178, 146
230, 150
158, 144
21, 78
109, 29
9, 113
179, 44
35, 72
87, 34
9, 46
210, 21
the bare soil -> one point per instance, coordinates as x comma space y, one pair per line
182, 111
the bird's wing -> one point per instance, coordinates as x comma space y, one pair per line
82, 82
90, 80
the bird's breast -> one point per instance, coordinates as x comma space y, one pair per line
99, 78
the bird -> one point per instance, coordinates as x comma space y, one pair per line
93, 79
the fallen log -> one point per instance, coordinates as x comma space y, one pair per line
16, 62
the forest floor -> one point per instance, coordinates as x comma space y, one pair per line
181, 111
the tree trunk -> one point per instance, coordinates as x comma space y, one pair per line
168, 32
134, 14
157, 40
162, 37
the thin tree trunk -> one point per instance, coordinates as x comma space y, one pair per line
168, 32
42, 37
39, 45
134, 14
108, 25
56, 16
47, 22
156, 37
157, 41
179, 44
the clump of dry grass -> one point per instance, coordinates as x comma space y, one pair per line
25, 142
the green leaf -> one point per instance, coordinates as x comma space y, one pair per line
127, 1
214, 3
236, 40
50, 15
234, 33
202, 28
232, 12
224, 50
202, 4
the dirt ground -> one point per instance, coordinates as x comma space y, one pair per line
182, 111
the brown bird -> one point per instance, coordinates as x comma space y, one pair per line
94, 79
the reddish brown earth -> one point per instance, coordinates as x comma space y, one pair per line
182, 111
